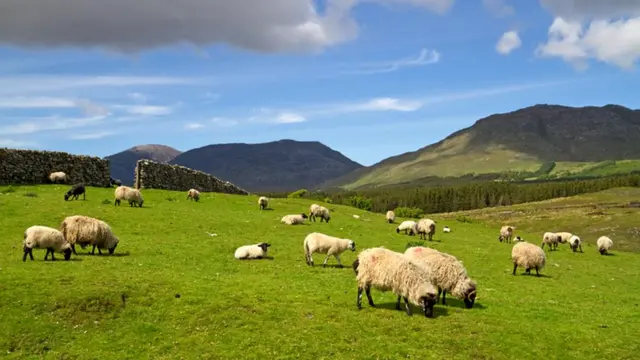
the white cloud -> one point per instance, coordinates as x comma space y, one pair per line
16, 144
24, 102
92, 136
499, 8
508, 42
425, 57
36, 125
137, 97
289, 118
224, 122
145, 110
267, 26
387, 104
583, 10
193, 126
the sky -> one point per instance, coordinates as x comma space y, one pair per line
368, 78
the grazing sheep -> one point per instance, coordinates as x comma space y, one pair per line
391, 216
293, 219
564, 236
604, 244
256, 251
447, 273
84, 230
130, 194
113, 181
58, 177
263, 202
75, 192
408, 226
446, 229
506, 233
575, 243
528, 256
44, 237
322, 212
426, 227
518, 239
551, 240
324, 244
193, 194
388, 270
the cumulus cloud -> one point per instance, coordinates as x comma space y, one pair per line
131, 26
289, 118
508, 42
498, 8
592, 9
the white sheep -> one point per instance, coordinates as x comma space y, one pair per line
256, 251
293, 219
132, 195
263, 202
388, 270
506, 233
445, 229
193, 194
604, 244
426, 227
44, 237
322, 212
391, 216
408, 226
58, 176
528, 256
564, 236
447, 273
551, 240
324, 244
575, 242
85, 230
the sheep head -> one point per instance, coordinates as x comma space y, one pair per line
352, 245
470, 296
264, 246
67, 253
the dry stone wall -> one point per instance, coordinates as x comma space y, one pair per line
33, 167
152, 175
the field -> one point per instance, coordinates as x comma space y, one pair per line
173, 291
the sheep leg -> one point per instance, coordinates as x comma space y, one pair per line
99, 252
515, 266
537, 273
408, 306
359, 302
47, 254
398, 302
439, 292
26, 251
324, 264
444, 295
52, 257
93, 251
73, 248
367, 290
580, 247
339, 262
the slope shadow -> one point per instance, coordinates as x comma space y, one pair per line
457, 303
438, 310
105, 253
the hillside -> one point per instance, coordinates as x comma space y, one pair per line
123, 163
284, 165
575, 138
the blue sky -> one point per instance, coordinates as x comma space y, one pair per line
368, 78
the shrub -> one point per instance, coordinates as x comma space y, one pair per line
360, 202
328, 200
409, 212
464, 219
298, 194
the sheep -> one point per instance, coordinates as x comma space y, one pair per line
388, 270
447, 273
408, 225
391, 216
528, 256
193, 194
551, 240
263, 202
446, 229
324, 244
293, 219
575, 243
518, 239
84, 230
506, 233
256, 251
604, 244
564, 236
126, 193
75, 192
426, 227
44, 237
113, 181
58, 176
322, 212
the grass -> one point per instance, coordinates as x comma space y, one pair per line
173, 291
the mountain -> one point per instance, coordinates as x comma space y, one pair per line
284, 165
123, 164
577, 139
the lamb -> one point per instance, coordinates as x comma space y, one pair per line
293, 219
324, 244
75, 192
528, 256
84, 230
408, 225
322, 212
193, 194
388, 270
447, 273
58, 176
426, 227
256, 251
551, 240
263, 202
391, 216
604, 244
130, 194
564, 236
44, 237
113, 181
575, 243
446, 229
506, 232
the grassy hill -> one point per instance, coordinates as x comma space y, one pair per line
186, 296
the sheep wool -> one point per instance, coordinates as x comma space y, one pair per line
44, 237
551, 240
447, 273
322, 212
126, 193
324, 244
528, 256
256, 251
293, 219
604, 244
575, 242
58, 177
388, 270
426, 227
84, 230
391, 217
564, 236
263, 202
409, 226
193, 194
446, 229
506, 233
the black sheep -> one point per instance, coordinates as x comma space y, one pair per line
75, 191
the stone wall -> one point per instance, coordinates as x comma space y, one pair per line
152, 175
34, 167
